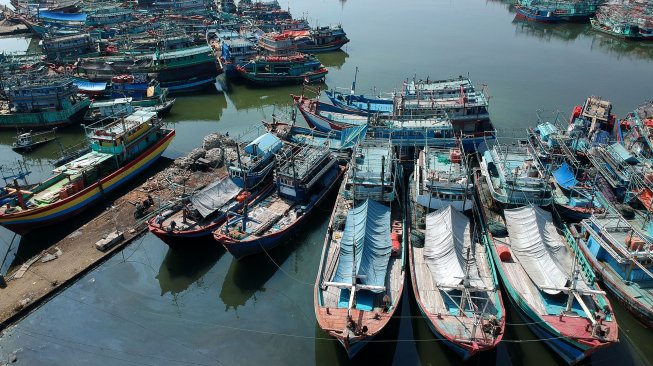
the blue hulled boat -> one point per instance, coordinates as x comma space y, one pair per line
621, 256
303, 179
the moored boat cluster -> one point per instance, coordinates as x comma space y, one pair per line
631, 19
427, 192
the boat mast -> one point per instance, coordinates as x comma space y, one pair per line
353, 87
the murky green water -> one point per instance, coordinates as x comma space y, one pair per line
150, 306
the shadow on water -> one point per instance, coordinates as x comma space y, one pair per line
38, 240
380, 351
247, 277
182, 268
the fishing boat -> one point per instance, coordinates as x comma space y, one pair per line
279, 70
180, 70
553, 11
638, 137
576, 199
455, 97
621, 256
255, 158
319, 39
623, 20
119, 152
326, 117
403, 131
441, 179
514, 175
362, 268
37, 102
454, 280
550, 285
591, 124
338, 141
191, 221
121, 107
29, 141
304, 177
70, 47
235, 51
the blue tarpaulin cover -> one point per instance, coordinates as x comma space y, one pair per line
368, 227
90, 85
564, 176
263, 145
53, 15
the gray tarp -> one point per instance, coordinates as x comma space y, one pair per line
214, 196
445, 248
538, 247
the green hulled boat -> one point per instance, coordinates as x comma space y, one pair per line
40, 103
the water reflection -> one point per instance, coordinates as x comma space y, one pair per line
620, 47
333, 60
182, 268
198, 107
245, 96
545, 31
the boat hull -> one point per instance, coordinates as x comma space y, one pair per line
245, 248
188, 239
330, 47
619, 289
190, 85
46, 119
24, 222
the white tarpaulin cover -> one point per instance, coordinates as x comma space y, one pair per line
538, 247
214, 196
445, 248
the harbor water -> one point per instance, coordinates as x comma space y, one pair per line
148, 305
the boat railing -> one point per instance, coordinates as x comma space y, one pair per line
606, 231
585, 265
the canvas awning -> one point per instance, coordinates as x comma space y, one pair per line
214, 196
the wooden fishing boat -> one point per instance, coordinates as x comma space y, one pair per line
29, 141
621, 256
303, 179
325, 117
338, 141
554, 11
454, 280
362, 269
197, 216
194, 218
551, 286
278, 70
514, 175
36, 102
458, 98
441, 179
119, 151
403, 131
318, 40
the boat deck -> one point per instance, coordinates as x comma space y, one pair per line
442, 310
269, 216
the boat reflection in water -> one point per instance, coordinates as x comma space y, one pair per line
181, 269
